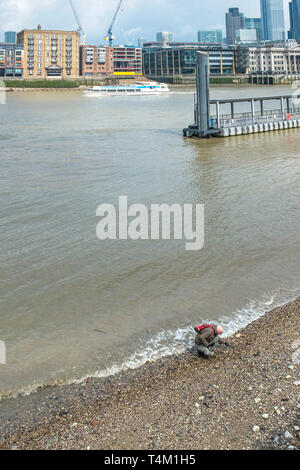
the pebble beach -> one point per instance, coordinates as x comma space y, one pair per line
246, 397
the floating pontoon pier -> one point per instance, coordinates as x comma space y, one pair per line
264, 114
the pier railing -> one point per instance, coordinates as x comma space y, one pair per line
262, 114
247, 119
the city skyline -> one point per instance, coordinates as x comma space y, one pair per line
135, 19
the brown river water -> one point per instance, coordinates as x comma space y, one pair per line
72, 306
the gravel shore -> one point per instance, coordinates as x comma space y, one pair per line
246, 397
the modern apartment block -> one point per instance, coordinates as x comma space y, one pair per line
272, 58
96, 61
273, 24
294, 32
127, 60
181, 59
50, 53
11, 59
210, 36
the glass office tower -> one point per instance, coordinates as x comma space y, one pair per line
272, 14
294, 32
254, 23
234, 22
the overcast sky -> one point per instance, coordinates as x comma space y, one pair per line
137, 18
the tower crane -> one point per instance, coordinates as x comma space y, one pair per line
109, 36
80, 28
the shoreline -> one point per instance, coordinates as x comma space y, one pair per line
244, 398
171, 85
21, 90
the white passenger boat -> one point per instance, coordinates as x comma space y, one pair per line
138, 88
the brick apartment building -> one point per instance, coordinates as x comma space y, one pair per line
128, 60
50, 53
96, 61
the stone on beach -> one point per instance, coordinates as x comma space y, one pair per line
176, 402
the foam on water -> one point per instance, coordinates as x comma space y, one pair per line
169, 342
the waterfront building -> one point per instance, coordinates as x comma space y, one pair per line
294, 32
275, 58
50, 53
254, 23
11, 60
210, 36
273, 25
127, 60
179, 59
96, 61
164, 37
10, 37
234, 22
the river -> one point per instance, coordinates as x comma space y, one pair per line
72, 306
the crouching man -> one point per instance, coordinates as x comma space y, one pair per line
208, 339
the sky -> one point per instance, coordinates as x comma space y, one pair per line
137, 18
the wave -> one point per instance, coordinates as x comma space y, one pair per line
170, 342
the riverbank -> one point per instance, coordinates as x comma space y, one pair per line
64, 90
64, 85
244, 398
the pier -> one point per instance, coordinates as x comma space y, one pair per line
232, 117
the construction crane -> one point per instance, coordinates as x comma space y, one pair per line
109, 36
80, 28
